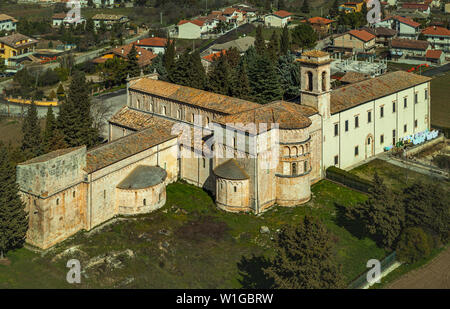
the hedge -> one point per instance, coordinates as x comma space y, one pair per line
348, 179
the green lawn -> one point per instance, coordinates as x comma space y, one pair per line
188, 243
440, 104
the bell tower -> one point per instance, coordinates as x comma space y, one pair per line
315, 81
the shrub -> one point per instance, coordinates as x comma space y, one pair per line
348, 179
442, 161
414, 244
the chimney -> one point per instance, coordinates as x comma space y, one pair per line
434, 27
138, 41
122, 50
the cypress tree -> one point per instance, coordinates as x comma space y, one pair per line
260, 44
169, 55
197, 74
240, 84
284, 41
273, 48
219, 79
13, 218
304, 258
75, 120
132, 64
31, 141
52, 139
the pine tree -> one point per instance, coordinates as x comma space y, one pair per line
382, 214
31, 141
264, 80
132, 63
289, 73
281, 5
260, 44
75, 120
13, 218
304, 258
285, 41
49, 132
273, 48
304, 36
305, 7
219, 77
180, 71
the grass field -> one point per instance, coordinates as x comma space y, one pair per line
188, 243
395, 177
440, 101
11, 129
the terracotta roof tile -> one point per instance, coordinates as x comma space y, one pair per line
144, 56
434, 54
51, 155
287, 115
409, 44
213, 56
231, 170
4, 17
195, 22
354, 94
112, 152
208, 100
405, 20
12, 39
436, 31
158, 42
282, 14
320, 20
133, 119
362, 35
353, 77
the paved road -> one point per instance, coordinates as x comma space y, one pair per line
438, 70
434, 275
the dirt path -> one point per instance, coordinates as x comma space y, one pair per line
434, 275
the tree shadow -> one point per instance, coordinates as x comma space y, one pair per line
353, 225
251, 271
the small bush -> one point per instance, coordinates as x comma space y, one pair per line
414, 244
442, 161
348, 179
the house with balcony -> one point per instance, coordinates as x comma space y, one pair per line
406, 48
438, 37
320, 25
108, 20
62, 18
154, 44
351, 7
7, 23
16, 48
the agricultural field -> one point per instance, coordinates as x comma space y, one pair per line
189, 243
440, 102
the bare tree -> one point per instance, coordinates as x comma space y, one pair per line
101, 111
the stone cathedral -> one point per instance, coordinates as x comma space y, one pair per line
167, 132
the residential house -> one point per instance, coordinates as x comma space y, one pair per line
415, 7
16, 47
62, 18
355, 41
321, 25
7, 23
383, 35
144, 56
108, 20
103, 3
438, 37
154, 44
278, 19
209, 59
235, 16
402, 48
191, 29
436, 56
351, 7
241, 44
405, 27
447, 8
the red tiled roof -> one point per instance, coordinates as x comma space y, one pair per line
434, 30
320, 20
203, 99
407, 21
365, 91
415, 6
194, 21
282, 13
144, 56
362, 35
159, 42
213, 56
433, 54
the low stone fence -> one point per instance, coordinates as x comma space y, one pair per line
410, 151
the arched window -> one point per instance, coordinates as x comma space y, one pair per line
139, 104
286, 151
164, 111
179, 114
294, 168
204, 163
145, 202
192, 117
57, 201
305, 166
309, 86
151, 107
302, 150
207, 121
324, 81
235, 189
294, 151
